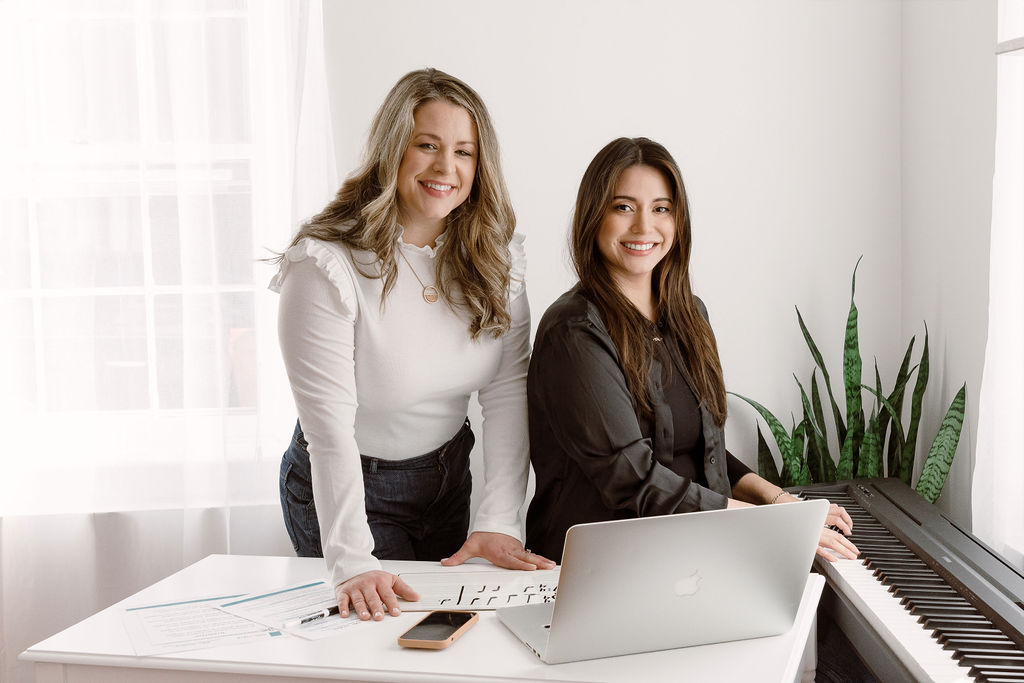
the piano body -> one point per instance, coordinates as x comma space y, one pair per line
926, 600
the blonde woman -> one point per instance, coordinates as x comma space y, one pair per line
399, 300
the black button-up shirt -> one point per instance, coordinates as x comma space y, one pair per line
594, 457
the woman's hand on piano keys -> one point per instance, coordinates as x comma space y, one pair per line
834, 543
838, 519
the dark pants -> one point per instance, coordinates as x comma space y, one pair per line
418, 508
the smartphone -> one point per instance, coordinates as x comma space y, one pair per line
438, 630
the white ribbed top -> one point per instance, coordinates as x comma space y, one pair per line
395, 383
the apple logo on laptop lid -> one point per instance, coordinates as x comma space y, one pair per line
688, 584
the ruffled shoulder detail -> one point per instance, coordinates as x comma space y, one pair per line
517, 273
330, 258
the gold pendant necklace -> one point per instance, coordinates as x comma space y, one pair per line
429, 291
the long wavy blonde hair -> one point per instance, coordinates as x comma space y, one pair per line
677, 306
364, 213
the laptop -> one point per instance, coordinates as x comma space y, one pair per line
656, 583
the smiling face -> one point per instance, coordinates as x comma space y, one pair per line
638, 227
437, 170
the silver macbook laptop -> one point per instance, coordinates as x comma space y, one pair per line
656, 583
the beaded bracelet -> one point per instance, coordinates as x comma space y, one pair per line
777, 496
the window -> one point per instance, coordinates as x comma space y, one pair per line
147, 167
996, 501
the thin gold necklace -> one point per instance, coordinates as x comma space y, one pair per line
429, 291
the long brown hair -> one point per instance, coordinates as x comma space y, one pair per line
364, 213
676, 305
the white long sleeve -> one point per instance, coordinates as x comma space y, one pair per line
395, 383
505, 435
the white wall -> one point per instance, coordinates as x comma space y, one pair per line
785, 116
948, 135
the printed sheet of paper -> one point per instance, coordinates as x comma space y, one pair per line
277, 608
188, 625
479, 590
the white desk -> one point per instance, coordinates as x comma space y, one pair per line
98, 648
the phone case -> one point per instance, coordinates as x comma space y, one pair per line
436, 644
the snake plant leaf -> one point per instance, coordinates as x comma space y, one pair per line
795, 464
844, 468
811, 459
822, 454
883, 424
828, 467
940, 455
790, 462
805, 475
910, 444
765, 461
819, 464
895, 447
820, 362
816, 444
819, 414
870, 462
808, 410
898, 439
782, 439
852, 365
891, 410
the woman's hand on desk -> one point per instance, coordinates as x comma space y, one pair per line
500, 550
372, 593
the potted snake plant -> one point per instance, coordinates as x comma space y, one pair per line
879, 445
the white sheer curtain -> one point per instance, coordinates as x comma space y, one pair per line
150, 156
151, 152
998, 506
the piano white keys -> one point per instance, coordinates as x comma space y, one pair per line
928, 594
920, 653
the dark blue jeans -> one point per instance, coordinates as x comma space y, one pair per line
418, 508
